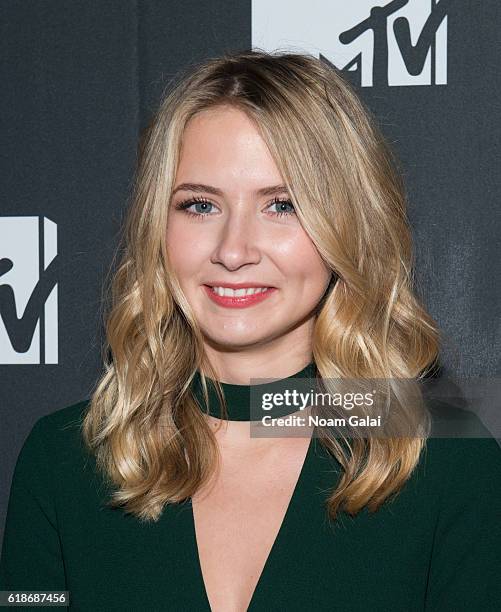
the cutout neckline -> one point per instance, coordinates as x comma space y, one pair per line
276, 542
239, 397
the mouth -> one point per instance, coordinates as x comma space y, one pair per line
240, 296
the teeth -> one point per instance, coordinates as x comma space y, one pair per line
226, 292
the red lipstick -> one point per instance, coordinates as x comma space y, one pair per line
241, 301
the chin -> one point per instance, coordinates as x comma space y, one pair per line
235, 341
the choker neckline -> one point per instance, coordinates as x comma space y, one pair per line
238, 397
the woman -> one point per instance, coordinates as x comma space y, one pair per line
263, 172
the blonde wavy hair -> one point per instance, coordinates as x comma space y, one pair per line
148, 434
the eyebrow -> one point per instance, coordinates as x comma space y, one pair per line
200, 187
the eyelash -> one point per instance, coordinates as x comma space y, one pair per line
199, 199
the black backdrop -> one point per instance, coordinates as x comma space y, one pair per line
79, 81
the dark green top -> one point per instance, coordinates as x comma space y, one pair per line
436, 546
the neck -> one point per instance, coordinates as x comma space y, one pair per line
245, 402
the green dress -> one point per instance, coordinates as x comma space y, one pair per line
436, 546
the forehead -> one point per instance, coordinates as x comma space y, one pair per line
222, 145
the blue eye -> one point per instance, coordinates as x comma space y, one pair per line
202, 203
205, 206
281, 204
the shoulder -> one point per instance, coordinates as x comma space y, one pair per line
53, 438
55, 424
461, 455
449, 420
65, 418
53, 452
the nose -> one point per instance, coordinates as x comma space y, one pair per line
237, 240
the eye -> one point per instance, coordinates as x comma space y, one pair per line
282, 205
202, 203
205, 206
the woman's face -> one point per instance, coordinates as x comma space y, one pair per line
233, 233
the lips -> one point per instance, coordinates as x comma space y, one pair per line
241, 301
247, 285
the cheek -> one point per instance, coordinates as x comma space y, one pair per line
304, 264
186, 247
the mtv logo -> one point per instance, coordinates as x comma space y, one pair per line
28, 291
403, 42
